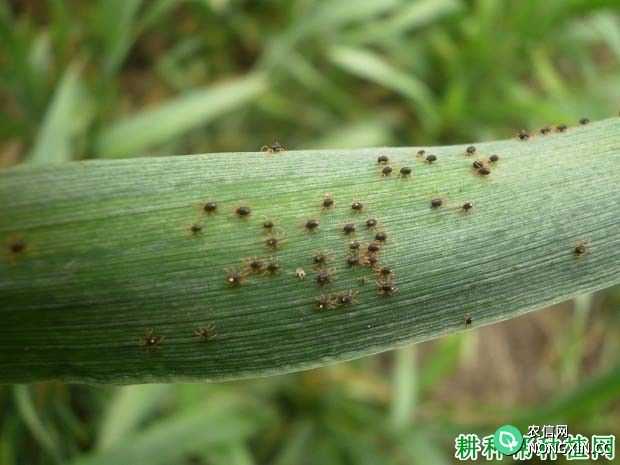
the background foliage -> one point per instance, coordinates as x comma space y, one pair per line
120, 78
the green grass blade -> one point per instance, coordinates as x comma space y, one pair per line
129, 407
324, 18
360, 134
141, 131
189, 431
441, 363
116, 19
409, 17
368, 65
108, 254
64, 118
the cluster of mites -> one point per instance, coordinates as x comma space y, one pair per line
525, 135
17, 246
482, 167
358, 255
151, 341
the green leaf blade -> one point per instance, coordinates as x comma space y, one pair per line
109, 254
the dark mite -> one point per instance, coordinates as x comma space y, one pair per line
349, 228
271, 227
346, 298
383, 159
386, 171
385, 271
321, 258
325, 276
268, 225
234, 278
210, 207
371, 223
17, 246
405, 171
195, 229
373, 247
494, 158
523, 135
546, 130
328, 202
381, 236
484, 171
206, 333
468, 320
354, 245
370, 261
470, 150
386, 287
477, 164
582, 249
357, 206
272, 242
584, 121
561, 127
275, 147
436, 203
273, 266
243, 211
150, 341
431, 158
312, 225
324, 302
467, 206
353, 261
254, 265
421, 153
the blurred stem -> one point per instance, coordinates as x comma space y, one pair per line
126, 410
7, 450
404, 394
230, 454
575, 339
586, 402
32, 420
294, 449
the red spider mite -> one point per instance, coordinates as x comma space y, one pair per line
205, 333
150, 341
273, 148
234, 278
346, 298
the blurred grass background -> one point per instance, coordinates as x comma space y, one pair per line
123, 78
